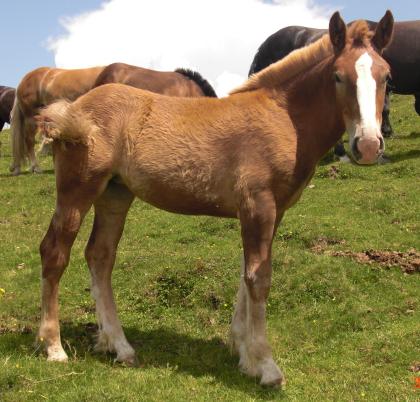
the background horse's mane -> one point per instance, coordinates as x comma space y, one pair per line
302, 59
199, 80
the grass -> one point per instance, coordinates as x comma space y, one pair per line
340, 329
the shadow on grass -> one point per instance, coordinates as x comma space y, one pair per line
26, 173
402, 156
156, 348
412, 136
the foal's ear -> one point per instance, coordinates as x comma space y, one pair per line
337, 31
383, 32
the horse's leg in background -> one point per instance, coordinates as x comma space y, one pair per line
386, 124
110, 213
74, 199
258, 223
340, 151
1, 128
417, 103
30, 133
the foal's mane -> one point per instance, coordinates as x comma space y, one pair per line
302, 59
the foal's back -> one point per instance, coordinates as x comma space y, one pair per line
186, 155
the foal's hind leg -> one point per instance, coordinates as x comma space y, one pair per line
110, 213
258, 224
73, 201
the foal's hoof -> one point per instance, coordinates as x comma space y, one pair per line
57, 356
272, 375
15, 171
275, 381
129, 361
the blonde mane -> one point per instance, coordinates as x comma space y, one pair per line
302, 59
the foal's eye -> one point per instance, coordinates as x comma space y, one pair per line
337, 78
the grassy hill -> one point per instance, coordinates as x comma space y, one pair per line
343, 314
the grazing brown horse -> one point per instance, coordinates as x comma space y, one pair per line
38, 89
181, 82
247, 156
43, 86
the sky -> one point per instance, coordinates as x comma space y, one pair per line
218, 38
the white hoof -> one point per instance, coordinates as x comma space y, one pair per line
271, 375
129, 360
57, 354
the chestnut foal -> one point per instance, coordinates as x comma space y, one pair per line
247, 156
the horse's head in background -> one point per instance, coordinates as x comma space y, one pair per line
361, 74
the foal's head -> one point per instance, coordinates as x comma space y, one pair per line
360, 75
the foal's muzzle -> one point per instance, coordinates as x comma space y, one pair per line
366, 149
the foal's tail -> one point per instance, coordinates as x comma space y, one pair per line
17, 126
65, 122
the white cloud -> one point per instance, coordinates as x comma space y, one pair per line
217, 38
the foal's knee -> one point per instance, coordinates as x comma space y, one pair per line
55, 247
97, 254
54, 259
258, 284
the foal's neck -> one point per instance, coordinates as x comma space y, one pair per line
313, 108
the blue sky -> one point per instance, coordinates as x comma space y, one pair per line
26, 26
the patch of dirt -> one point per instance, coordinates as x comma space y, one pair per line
408, 261
322, 243
415, 367
14, 329
333, 172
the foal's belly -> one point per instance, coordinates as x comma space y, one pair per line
174, 197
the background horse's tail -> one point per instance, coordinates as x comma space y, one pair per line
199, 80
62, 121
17, 126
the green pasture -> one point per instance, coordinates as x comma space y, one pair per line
343, 328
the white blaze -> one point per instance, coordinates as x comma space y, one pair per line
366, 92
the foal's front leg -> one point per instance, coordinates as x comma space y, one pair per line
249, 337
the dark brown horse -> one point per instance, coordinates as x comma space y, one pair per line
403, 55
247, 156
7, 97
181, 82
